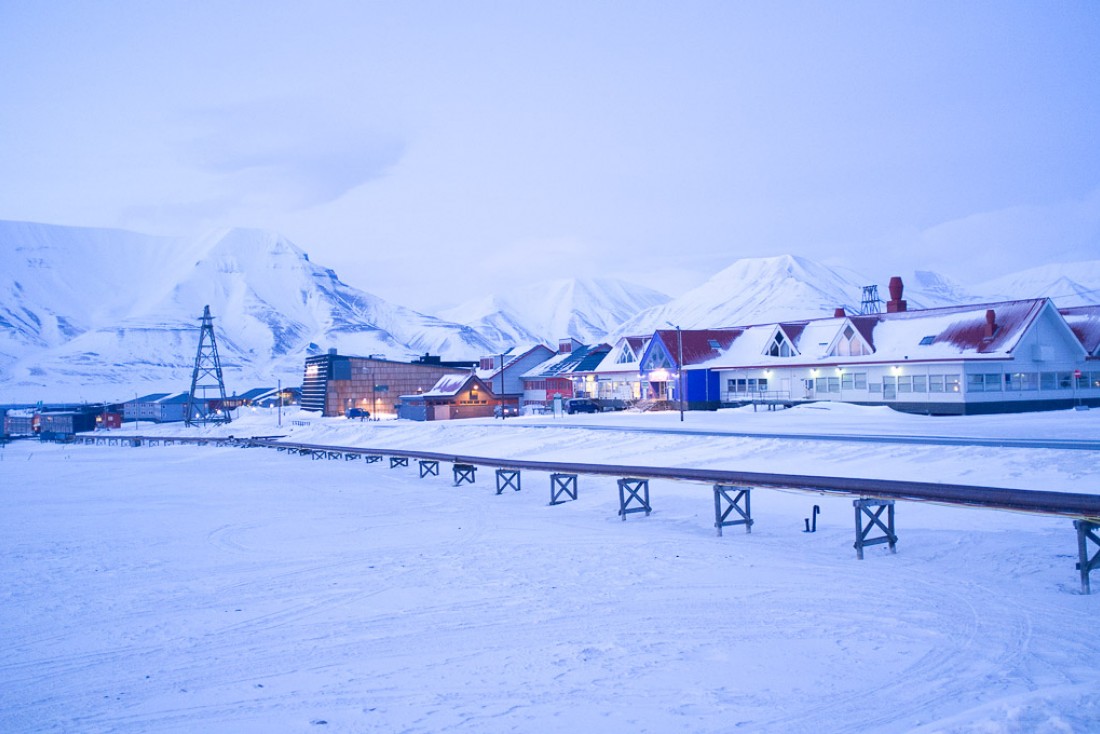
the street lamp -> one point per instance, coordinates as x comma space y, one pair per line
679, 368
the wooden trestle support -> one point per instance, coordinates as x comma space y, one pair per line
464, 473
562, 484
634, 491
874, 519
507, 478
728, 499
429, 467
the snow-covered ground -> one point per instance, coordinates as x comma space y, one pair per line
175, 589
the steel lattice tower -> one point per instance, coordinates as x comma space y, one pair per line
206, 378
871, 302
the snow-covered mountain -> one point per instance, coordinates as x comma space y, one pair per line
1067, 284
102, 314
86, 308
753, 290
587, 309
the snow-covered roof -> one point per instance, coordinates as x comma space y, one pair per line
583, 358
625, 355
448, 386
952, 332
1084, 321
511, 357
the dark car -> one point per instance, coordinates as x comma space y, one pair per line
581, 405
358, 413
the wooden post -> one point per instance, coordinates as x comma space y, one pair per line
1086, 531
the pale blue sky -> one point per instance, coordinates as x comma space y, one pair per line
431, 151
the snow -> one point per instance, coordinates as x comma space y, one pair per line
177, 588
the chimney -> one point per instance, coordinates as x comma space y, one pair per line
895, 304
839, 313
990, 323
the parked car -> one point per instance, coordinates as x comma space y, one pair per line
505, 411
359, 413
581, 405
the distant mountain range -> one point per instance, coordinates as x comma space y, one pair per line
99, 314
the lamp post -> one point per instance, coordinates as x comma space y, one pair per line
502, 386
679, 368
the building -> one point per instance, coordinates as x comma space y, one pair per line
667, 357
452, 397
619, 378
567, 374
156, 407
335, 383
62, 425
503, 373
986, 358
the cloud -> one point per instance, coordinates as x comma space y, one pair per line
993, 243
293, 155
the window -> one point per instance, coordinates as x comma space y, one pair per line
860, 380
920, 383
714, 344
889, 388
905, 383
780, 347
747, 385
626, 356
927, 340
1022, 381
850, 344
1047, 381
951, 383
1065, 380
935, 383
988, 382
847, 381
875, 387
832, 384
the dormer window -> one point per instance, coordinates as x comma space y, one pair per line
850, 344
626, 356
780, 347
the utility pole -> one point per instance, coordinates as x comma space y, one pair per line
680, 368
502, 387
280, 389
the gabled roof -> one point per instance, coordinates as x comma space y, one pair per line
633, 346
151, 397
950, 332
511, 357
698, 345
450, 385
257, 392
1084, 321
583, 358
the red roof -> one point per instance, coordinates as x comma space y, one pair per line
1085, 323
697, 343
1009, 317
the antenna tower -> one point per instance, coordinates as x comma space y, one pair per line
871, 302
206, 379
